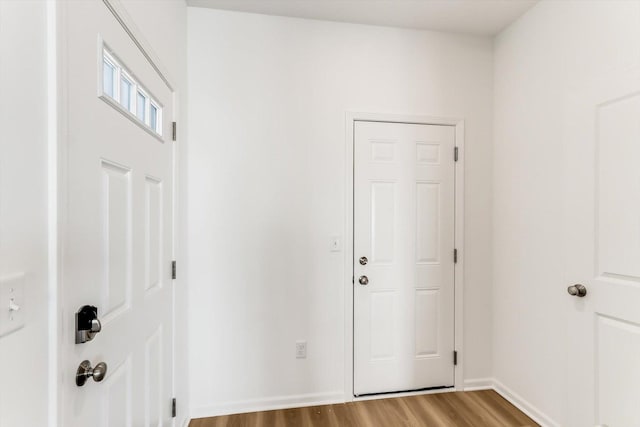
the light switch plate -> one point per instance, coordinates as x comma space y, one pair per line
12, 315
301, 349
335, 243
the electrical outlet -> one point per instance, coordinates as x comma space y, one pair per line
301, 349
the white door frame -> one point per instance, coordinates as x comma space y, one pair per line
351, 118
58, 151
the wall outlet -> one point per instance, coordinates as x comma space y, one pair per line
301, 349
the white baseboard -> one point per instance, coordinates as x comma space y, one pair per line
512, 397
314, 399
478, 384
268, 404
516, 400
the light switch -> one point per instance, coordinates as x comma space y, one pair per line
12, 315
335, 244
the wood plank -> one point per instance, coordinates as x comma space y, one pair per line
484, 408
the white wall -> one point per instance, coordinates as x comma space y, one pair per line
536, 59
24, 169
267, 103
23, 207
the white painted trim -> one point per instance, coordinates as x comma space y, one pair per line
304, 400
61, 151
52, 213
348, 259
516, 400
478, 384
519, 402
352, 117
458, 282
267, 404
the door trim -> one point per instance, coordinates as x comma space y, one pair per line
351, 118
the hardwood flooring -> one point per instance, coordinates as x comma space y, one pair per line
463, 409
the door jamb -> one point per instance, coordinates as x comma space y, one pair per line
351, 118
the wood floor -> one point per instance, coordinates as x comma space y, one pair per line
465, 409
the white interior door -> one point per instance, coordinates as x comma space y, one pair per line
117, 243
404, 227
603, 250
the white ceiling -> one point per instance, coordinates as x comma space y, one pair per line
480, 17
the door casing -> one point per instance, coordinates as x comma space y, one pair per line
351, 118
58, 147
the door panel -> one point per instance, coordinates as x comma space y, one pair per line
427, 322
383, 195
117, 242
617, 370
618, 176
404, 225
116, 239
603, 249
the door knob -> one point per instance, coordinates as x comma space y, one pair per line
363, 280
363, 260
85, 371
577, 290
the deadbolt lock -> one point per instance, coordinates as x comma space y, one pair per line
87, 324
363, 260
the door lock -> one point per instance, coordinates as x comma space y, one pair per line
87, 324
363, 260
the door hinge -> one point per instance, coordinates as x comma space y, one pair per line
455, 358
174, 131
173, 408
455, 154
173, 270
455, 256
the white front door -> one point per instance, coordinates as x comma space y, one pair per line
603, 250
117, 239
404, 227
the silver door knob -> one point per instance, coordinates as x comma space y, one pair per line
577, 290
85, 371
363, 280
363, 260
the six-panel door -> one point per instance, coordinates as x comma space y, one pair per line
404, 225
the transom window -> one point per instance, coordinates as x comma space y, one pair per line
124, 92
